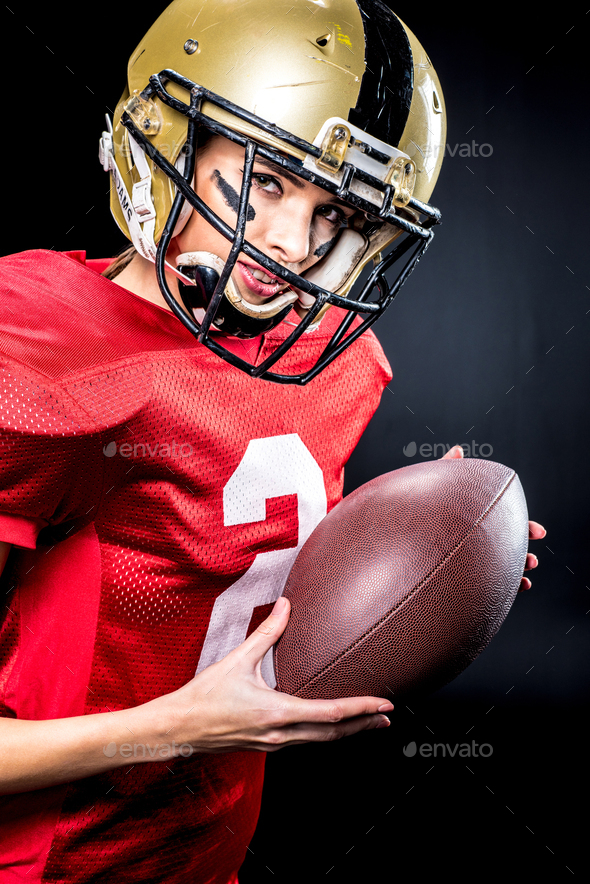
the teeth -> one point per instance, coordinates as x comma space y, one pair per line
263, 277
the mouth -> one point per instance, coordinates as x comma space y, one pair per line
259, 281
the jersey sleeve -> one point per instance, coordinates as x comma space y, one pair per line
51, 459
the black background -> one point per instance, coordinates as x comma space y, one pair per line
488, 341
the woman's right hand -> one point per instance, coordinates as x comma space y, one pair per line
225, 708
228, 707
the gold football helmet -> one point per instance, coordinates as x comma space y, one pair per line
337, 92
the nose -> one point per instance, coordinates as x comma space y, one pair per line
288, 235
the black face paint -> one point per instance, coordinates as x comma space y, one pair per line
325, 247
231, 196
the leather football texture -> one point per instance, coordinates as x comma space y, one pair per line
404, 582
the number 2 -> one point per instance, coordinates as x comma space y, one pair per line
271, 467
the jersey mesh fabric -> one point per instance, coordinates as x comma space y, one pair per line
119, 435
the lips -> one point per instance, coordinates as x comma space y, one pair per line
264, 289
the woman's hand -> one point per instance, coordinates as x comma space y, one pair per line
228, 707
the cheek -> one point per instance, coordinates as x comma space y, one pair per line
200, 236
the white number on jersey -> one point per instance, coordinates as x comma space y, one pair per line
271, 467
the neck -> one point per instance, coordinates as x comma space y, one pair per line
140, 278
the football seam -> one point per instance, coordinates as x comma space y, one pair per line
400, 604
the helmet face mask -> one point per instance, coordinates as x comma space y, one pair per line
375, 178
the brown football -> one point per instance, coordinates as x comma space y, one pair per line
404, 582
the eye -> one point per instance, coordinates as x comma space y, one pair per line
332, 215
266, 183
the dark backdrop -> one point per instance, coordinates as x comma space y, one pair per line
488, 341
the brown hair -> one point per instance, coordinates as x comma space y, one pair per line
120, 263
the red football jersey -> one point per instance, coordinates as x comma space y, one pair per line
156, 497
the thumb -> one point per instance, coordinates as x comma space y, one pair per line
270, 630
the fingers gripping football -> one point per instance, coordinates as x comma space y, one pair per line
229, 707
536, 531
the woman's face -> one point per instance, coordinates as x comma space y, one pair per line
292, 221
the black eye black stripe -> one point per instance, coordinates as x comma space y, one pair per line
325, 247
231, 196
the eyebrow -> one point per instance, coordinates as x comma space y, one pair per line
296, 182
275, 167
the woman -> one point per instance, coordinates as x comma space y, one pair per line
156, 488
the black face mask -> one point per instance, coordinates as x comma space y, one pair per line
209, 292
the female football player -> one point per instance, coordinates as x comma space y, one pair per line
176, 422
